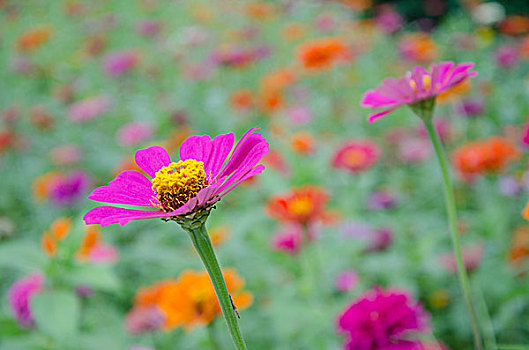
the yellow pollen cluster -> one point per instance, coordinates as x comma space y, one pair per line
426, 82
178, 182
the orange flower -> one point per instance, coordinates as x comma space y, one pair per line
520, 243
218, 235
418, 47
514, 25
302, 205
90, 240
302, 142
272, 86
41, 185
259, 10
489, 156
242, 99
321, 53
34, 37
59, 229
191, 301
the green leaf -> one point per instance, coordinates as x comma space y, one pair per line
23, 255
56, 313
100, 277
9, 328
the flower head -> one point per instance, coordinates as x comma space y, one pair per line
89, 108
193, 184
382, 319
321, 53
492, 155
417, 86
189, 301
356, 155
118, 63
19, 297
302, 205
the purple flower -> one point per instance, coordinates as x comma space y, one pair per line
509, 186
346, 280
383, 320
471, 107
507, 56
66, 189
380, 240
148, 27
208, 169
380, 200
19, 297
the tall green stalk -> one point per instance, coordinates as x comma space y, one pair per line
199, 235
452, 220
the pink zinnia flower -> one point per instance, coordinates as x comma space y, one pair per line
133, 133
289, 239
177, 189
383, 319
144, 319
416, 86
19, 297
356, 155
118, 63
87, 109
507, 56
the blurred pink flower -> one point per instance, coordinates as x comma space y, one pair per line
414, 149
134, 133
389, 20
118, 63
103, 253
87, 109
148, 27
289, 239
383, 319
472, 256
379, 200
471, 107
326, 22
19, 296
66, 154
346, 280
356, 155
299, 115
144, 319
507, 56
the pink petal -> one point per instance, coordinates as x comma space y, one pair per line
374, 99
258, 169
129, 187
221, 147
196, 147
375, 116
152, 159
253, 157
244, 147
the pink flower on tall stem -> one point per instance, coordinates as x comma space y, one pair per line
182, 188
416, 86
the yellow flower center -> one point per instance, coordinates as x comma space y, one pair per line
177, 183
300, 206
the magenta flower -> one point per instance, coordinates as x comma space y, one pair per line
289, 239
383, 319
134, 133
346, 280
416, 86
118, 63
19, 297
67, 189
180, 188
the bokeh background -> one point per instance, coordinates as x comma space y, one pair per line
84, 84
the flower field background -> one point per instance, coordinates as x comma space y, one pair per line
341, 242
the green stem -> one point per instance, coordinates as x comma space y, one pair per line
452, 219
199, 236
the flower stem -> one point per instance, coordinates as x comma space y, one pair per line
199, 236
452, 220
